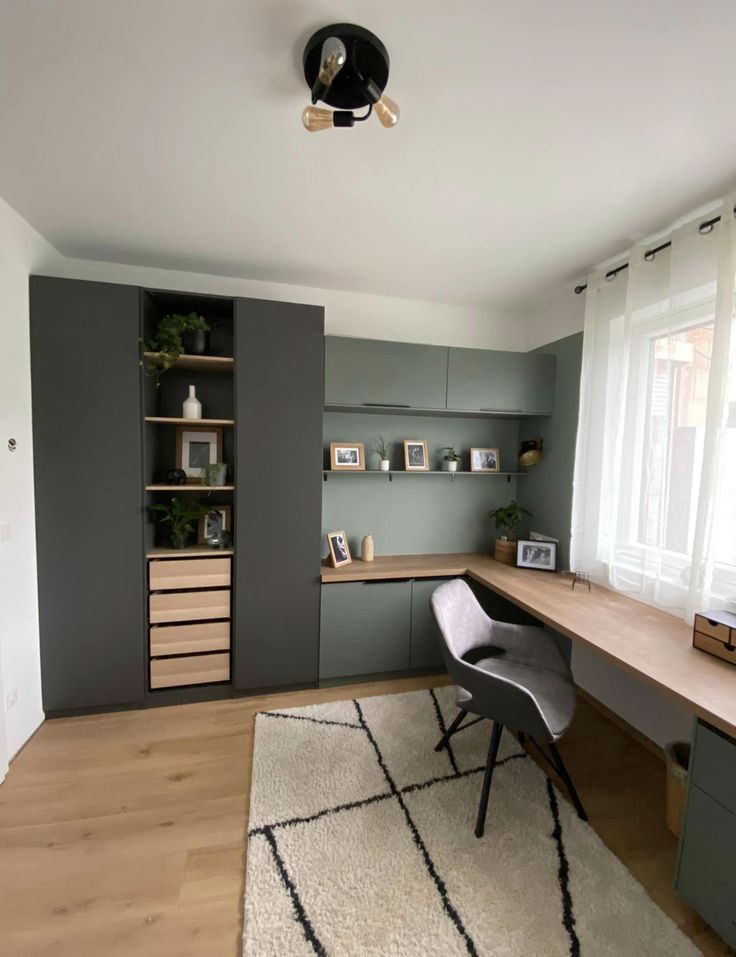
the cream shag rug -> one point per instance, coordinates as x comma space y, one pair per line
361, 843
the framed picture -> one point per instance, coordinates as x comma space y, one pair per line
337, 542
416, 457
540, 555
214, 523
196, 448
347, 457
485, 460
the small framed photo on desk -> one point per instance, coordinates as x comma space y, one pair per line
485, 460
347, 457
539, 555
337, 542
416, 456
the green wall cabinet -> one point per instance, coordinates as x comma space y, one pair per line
706, 871
425, 635
370, 372
364, 628
481, 380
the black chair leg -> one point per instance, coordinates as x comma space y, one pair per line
564, 774
488, 776
451, 730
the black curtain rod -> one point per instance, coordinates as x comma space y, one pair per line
705, 227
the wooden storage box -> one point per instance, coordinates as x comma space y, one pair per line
189, 639
715, 632
172, 573
175, 606
189, 670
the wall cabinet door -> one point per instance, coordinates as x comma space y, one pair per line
372, 372
364, 628
279, 388
88, 477
481, 380
425, 635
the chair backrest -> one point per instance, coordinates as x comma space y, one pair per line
462, 622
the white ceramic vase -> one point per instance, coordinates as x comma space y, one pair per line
192, 407
385, 465
451, 466
367, 549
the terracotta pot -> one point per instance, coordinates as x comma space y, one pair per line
505, 552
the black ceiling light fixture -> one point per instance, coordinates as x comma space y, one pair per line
346, 67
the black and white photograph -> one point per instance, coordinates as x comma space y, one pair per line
347, 456
195, 449
337, 542
540, 555
416, 458
485, 460
213, 524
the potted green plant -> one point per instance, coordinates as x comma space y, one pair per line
381, 448
180, 515
450, 458
214, 474
507, 521
169, 341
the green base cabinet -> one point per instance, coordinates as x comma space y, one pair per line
483, 380
364, 628
706, 869
425, 635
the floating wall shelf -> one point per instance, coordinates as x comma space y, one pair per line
189, 488
392, 472
191, 551
172, 420
204, 363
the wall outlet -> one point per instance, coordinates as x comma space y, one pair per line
11, 697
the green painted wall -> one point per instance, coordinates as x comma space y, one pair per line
547, 490
414, 514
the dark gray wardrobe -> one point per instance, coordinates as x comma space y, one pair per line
87, 468
279, 398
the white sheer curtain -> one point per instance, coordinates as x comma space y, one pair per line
654, 496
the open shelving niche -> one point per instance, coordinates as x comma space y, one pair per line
212, 375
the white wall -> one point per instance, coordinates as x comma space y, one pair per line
558, 315
22, 251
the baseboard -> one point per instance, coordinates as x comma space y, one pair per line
620, 722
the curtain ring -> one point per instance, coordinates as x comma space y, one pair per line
610, 275
649, 256
705, 228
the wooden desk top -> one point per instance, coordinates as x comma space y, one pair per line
652, 645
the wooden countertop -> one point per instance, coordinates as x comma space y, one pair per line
650, 644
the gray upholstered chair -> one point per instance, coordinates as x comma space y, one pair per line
514, 675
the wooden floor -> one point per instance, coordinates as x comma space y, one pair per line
124, 834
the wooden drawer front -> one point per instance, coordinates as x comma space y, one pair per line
193, 670
715, 629
714, 766
189, 573
189, 639
715, 647
188, 605
706, 875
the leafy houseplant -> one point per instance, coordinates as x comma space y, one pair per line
181, 516
451, 458
214, 474
168, 341
507, 520
381, 448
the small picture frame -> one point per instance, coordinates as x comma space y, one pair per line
485, 460
534, 554
347, 457
214, 523
196, 448
416, 455
337, 542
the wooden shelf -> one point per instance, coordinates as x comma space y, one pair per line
392, 472
191, 551
204, 363
172, 420
189, 488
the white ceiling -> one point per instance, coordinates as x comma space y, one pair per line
536, 138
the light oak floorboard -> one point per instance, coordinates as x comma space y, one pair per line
124, 834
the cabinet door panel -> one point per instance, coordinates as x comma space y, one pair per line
279, 386
481, 380
364, 628
373, 372
425, 635
89, 492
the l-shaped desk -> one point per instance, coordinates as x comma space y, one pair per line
650, 644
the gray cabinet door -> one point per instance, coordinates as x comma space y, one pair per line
369, 372
425, 635
88, 478
279, 398
706, 875
364, 628
481, 380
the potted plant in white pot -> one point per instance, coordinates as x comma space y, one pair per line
381, 448
450, 458
214, 475
507, 521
